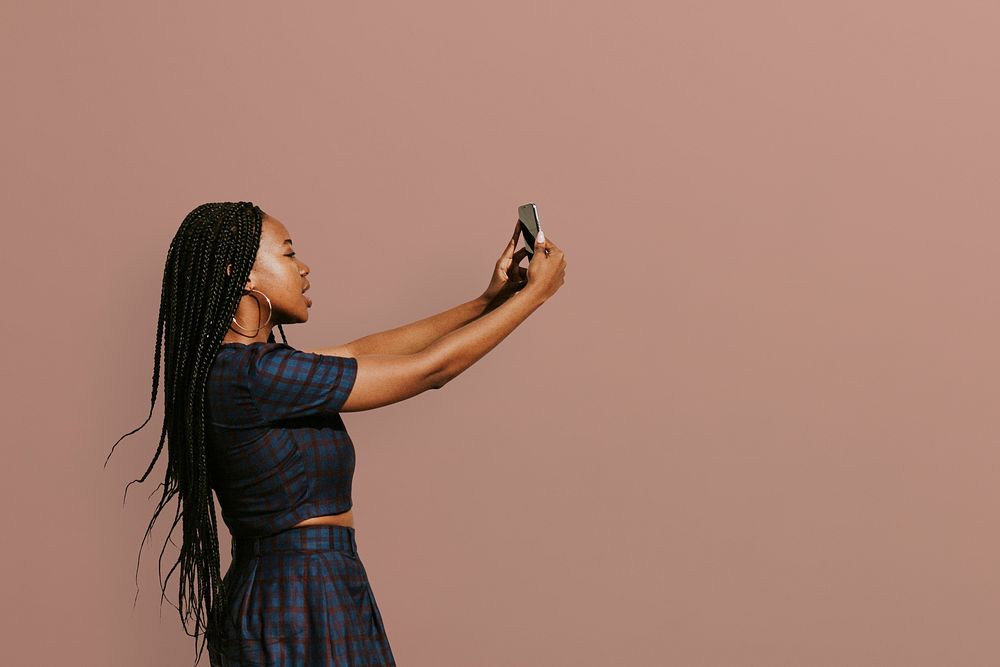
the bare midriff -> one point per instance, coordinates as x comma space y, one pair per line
343, 519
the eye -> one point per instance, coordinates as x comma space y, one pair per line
291, 255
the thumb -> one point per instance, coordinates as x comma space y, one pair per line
508, 252
540, 239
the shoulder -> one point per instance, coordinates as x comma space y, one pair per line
272, 361
255, 350
262, 361
249, 358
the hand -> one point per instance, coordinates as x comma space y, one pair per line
547, 269
508, 276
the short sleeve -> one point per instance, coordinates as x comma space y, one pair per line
287, 383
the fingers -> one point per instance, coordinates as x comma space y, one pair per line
514, 269
542, 244
517, 232
509, 250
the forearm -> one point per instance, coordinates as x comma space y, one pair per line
454, 352
416, 336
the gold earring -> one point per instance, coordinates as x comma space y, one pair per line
269, 309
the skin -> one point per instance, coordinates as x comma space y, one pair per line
406, 361
281, 276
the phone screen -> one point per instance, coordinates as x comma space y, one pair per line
527, 215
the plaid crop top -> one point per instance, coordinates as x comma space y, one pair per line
278, 450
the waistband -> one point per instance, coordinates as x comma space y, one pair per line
317, 537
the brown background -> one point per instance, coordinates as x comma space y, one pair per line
758, 424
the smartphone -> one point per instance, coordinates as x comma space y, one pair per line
527, 215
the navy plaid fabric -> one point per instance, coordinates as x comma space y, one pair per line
278, 453
300, 598
278, 449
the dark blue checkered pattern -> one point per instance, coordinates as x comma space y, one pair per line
278, 449
300, 598
279, 453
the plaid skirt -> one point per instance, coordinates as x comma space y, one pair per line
300, 597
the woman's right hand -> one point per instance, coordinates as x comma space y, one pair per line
547, 268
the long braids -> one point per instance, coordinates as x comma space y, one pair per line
197, 303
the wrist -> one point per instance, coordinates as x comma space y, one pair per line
532, 294
482, 301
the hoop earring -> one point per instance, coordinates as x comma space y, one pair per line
269, 309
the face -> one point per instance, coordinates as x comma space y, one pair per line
280, 274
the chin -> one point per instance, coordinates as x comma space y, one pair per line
295, 317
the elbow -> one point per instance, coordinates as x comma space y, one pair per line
436, 381
435, 373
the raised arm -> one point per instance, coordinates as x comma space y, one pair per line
506, 277
451, 354
413, 337
383, 379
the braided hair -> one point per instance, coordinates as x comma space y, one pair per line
198, 300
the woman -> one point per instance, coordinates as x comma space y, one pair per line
259, 423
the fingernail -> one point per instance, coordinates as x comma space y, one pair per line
541, 236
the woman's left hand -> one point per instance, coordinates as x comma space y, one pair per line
508, 275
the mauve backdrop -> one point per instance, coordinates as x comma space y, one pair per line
757, 426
